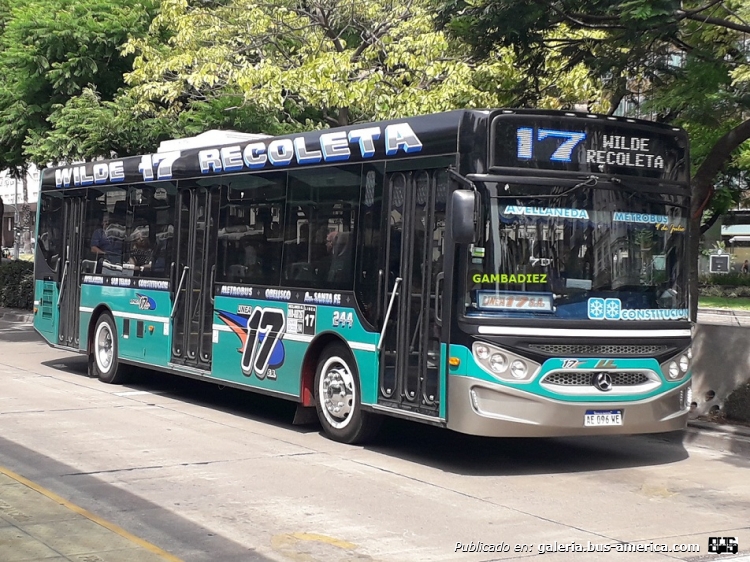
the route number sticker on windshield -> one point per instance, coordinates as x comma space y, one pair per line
535, 302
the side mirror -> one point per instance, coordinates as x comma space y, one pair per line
462, 216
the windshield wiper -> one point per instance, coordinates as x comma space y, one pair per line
642, 195
591, 181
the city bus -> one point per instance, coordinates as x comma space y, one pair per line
508, 273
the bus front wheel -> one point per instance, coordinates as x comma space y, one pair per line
338, 398
104, 351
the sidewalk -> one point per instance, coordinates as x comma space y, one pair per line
724, 316
15, 315
36, 524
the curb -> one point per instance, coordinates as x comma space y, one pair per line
721, 437
20, 316
724, 311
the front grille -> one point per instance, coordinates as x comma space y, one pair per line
595, 350
584, 378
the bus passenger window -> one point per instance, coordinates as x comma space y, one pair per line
321, 212
250, 233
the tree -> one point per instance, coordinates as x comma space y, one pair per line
688, 60
277, 68
322, 62
684, 63
50, 50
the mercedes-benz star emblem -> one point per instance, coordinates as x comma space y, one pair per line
603, 381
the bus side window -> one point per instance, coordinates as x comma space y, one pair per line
327, 201
250, 233
50, 229
369, 241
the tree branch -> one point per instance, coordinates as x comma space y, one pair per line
717, 158
710, 222
716, 21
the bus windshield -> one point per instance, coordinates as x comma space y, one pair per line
590, 251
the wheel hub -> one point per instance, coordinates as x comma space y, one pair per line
338, 392
104, 348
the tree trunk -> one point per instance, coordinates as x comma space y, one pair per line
26, 236
709, 223
343, 117
694, 241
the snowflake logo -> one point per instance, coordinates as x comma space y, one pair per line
612, 308
596, 309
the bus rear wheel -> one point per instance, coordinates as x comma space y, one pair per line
103, 353
337, 398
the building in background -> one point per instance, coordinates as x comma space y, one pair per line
20, 196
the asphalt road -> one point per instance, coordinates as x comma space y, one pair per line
212, 474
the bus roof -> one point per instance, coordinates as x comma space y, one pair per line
226, 152
214, 137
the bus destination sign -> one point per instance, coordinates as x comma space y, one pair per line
591, 146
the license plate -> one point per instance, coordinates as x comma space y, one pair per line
602, 417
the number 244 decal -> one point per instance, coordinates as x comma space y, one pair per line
342, 319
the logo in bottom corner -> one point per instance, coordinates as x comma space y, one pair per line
260, 332
723, 545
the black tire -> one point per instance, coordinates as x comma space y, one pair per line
103, 358
337, 386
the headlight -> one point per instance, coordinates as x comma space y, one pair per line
674, 370
498, 362
503, 364
518, 369
482, 351
684, 363
677, 367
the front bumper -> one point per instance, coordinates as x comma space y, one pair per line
481, 408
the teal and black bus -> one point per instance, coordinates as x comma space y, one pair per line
495, 272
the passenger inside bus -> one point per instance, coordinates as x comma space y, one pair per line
105, 242
141, 253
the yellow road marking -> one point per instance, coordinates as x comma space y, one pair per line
325, 540
90, 516
313, 547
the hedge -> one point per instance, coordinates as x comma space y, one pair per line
17, 284
737, 405
725, 279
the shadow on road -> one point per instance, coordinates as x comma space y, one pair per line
250, 405
423, 444
12, 332
486, 456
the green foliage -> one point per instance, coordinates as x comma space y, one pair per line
737, 404
680, 62
725, 280
325, 62
50, 50
735, 302
17, 284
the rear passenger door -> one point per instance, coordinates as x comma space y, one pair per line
195, 270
